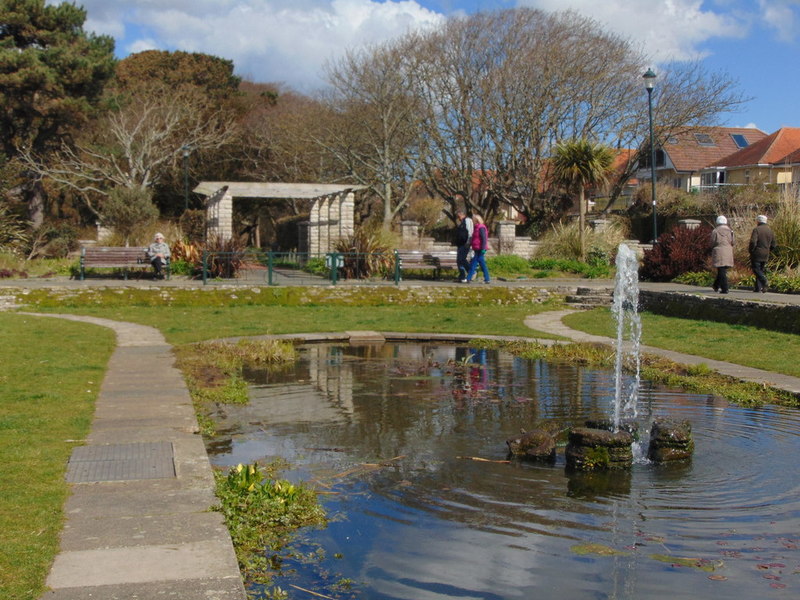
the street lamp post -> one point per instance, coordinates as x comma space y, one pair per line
185, 177
649, 82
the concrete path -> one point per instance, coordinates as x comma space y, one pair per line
551, 322
138, 524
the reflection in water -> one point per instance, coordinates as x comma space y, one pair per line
391, 433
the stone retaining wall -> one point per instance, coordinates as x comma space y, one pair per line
777, 317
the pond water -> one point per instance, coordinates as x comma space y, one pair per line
391, 435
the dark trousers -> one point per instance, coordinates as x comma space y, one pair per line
759, 270
461, 261
158, 265
721, 282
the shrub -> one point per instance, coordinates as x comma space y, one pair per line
508, 265
701, 278
225, 257
129, 209
563, 241
53, 241
678, 250
366, 253
13, 231
316, 266
786, 226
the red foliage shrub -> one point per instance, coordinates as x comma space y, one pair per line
678, 250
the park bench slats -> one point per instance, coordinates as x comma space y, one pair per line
113, 257
428, 260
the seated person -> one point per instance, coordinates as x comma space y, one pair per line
158, 253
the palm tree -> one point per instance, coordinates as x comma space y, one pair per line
577, 164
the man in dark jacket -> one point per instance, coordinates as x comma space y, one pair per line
762, 242
463, 238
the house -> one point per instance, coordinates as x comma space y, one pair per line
681, 159
772, 159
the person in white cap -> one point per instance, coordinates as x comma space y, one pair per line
158, 253
762, 242
722, 253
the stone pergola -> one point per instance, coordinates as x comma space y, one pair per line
332, 209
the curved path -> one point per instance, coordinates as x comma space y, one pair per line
138, 523
551, 322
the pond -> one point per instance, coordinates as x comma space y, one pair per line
407, 444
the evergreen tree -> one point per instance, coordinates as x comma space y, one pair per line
52, 75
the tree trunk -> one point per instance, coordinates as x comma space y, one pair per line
36, 204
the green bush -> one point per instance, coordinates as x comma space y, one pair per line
701, 278
181, 267
509, 266
316, 266
592, 271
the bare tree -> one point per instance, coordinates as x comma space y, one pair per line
134, 145
373, 127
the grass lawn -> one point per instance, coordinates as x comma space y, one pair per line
740, 344
185, 317
53, 370
184, 325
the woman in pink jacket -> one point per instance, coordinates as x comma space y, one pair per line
480, 243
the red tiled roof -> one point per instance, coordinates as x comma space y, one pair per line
687, 154
781, 147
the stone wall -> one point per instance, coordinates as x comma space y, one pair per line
776, 317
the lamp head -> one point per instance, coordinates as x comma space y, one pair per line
649, 79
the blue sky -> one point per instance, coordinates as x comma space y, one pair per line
755, 42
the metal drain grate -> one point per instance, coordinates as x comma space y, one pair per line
121, 462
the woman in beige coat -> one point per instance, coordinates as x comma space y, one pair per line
721, 253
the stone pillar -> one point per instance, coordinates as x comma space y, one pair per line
334, 221
324, 224
347, 211
689, 223
506, 236
409, 232
219, 215
313, 229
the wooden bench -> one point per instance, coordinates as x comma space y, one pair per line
446, 259
111, 257
419, 260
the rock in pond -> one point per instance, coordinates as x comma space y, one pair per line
598, 449
670, 441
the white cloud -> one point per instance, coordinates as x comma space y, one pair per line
666, 29
781, 15
268, 40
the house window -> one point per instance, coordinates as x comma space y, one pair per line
704, 139
747, 176
661, 159
740, 140
677, 182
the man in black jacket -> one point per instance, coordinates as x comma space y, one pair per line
463, 238
762, 242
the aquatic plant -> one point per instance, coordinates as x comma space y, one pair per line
262, 512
